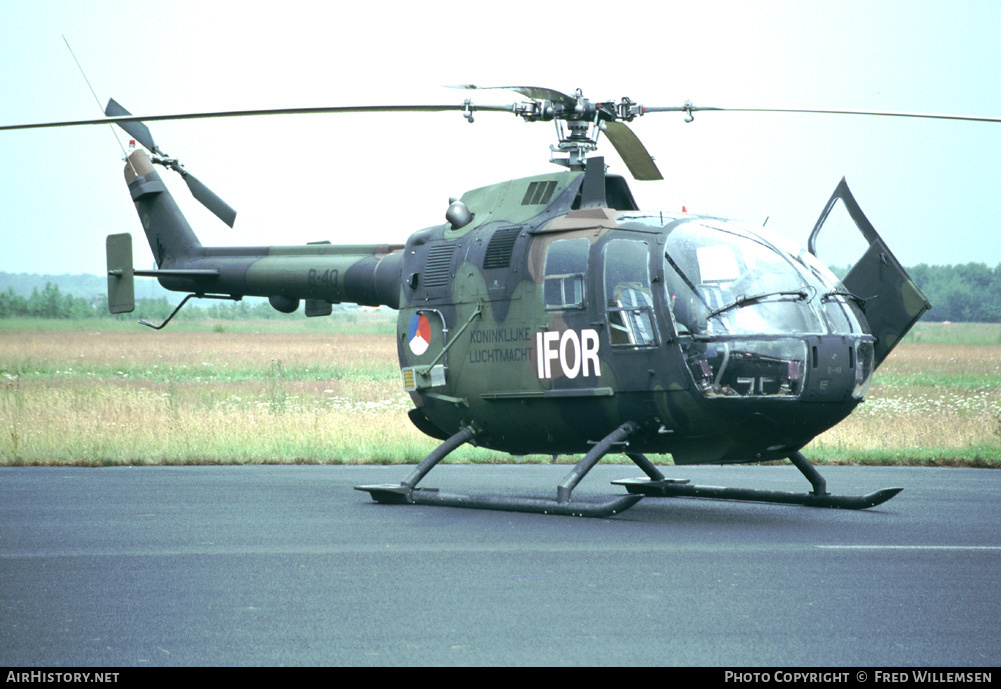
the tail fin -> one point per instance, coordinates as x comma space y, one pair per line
170, 237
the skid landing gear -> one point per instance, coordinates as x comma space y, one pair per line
408, 492
819, 497
656, 485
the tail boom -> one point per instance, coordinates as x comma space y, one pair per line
321, 273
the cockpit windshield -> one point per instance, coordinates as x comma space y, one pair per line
745, 300
723, 279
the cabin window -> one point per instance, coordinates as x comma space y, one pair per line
628, 301
566, 265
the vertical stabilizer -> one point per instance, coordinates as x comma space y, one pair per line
170, 237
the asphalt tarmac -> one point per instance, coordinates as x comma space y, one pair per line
288, 565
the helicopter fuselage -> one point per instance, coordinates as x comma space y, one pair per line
546, 332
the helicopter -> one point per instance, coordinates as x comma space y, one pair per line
551, 315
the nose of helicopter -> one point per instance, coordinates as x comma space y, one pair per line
769, 396
840, 368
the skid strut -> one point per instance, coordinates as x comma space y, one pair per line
407, 492
819, 497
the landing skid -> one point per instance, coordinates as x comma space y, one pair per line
674, 488
656, 485
507, 503
407, 492
680, 488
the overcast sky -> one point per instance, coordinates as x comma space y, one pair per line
931, 188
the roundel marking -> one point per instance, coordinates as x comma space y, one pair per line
419, 334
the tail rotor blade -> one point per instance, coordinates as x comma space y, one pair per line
137, 130
209, 199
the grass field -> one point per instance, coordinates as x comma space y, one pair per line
329, 391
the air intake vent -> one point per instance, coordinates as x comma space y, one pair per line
438, 266
539, 193
500, 247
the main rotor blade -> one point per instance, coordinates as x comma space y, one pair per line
688, 108
529, 91
137, 130
632, 151
535, 92
209, 199
121, 120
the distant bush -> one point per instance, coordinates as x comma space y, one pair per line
51, 303
48, 303
966, 293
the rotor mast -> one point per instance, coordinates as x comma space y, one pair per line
579, 124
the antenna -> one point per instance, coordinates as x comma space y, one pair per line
96, 99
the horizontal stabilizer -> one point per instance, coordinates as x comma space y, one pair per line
194, 273
121, 286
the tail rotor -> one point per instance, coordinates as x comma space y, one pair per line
140, 132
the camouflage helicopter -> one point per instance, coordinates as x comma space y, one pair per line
551, 315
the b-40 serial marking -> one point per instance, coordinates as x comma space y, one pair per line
327, 278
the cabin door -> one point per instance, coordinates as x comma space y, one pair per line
892, 302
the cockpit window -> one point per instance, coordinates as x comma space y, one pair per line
723, 280
840, 308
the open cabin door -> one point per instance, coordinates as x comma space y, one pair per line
893, 303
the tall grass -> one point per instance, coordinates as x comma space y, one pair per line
931, 403
955, 333
205, 395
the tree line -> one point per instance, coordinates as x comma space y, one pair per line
970, 292
50, 302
